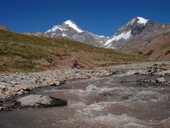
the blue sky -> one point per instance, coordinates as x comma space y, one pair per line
98, 16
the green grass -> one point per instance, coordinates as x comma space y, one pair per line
27, 66
32, 48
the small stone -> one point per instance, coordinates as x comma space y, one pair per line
1, 108
161, 75
20, 92
107, 94
145, 81
27, 89
125, 98
4, 81
150, 70
137, 73
160, 80
63, 82
167, 84
56, 83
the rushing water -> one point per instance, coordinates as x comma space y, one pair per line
111, 102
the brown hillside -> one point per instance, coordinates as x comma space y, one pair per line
157, 48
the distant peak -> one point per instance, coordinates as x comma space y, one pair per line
139, 20
73, 25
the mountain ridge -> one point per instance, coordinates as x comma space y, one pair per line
70, 30
135, 36
131, 30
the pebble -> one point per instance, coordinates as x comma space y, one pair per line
56, 83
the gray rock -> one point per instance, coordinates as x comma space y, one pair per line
167, 84
63, 82
56, 83
140, 81
160, 80
1, 108
40, 101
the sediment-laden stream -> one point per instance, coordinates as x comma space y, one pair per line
117, 101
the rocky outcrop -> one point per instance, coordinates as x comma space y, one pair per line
133, 29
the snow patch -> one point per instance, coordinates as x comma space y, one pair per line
124, 35
55, 28
142, 20
102, 36
64, 35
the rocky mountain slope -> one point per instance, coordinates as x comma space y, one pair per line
138, 35
156, 47
142, 36
134, 28
71, 31
137, 28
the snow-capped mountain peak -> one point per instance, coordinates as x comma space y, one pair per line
70, 30
132, 29
73, 25
139, 20
65, 27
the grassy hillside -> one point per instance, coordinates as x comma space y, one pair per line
20, 52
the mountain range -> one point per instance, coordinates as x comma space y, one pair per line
140, 36
67, 45
135, 37
71, 31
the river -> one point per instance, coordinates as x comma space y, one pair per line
116, 101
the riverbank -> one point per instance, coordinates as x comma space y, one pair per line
135, 95
12, 84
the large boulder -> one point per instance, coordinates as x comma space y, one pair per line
40, 101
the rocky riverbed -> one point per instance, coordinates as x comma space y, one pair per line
130, 96
22, 83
